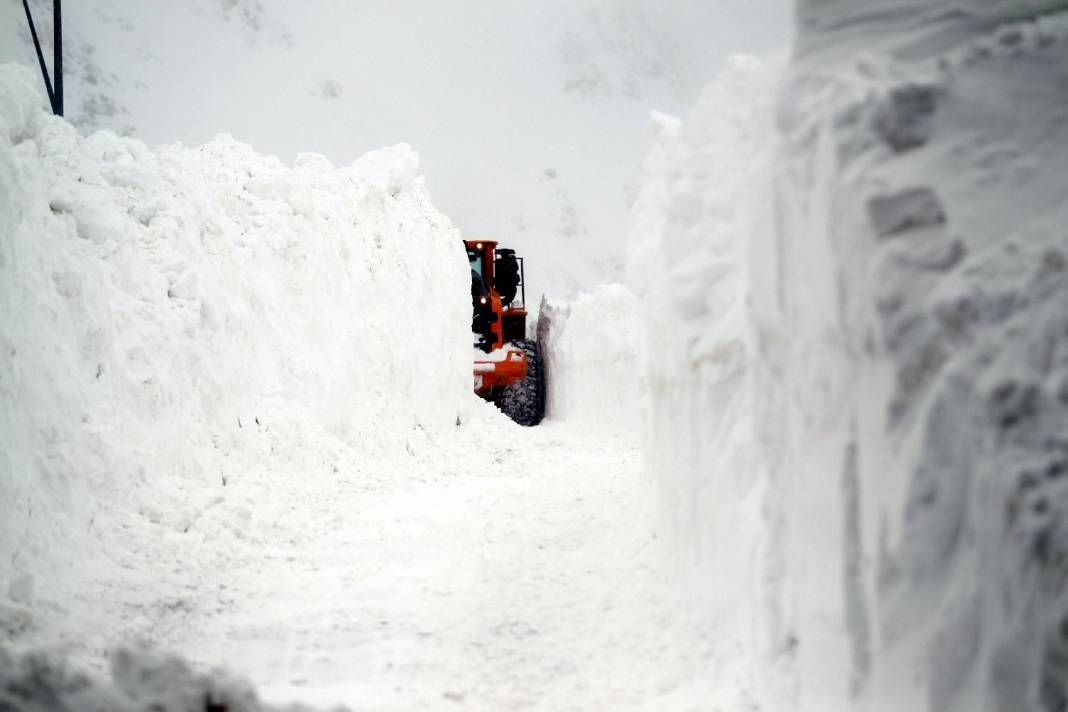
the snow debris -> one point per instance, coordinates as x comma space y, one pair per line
141, 680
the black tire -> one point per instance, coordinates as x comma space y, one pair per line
524, 402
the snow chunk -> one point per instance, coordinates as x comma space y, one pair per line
141, 679
394, 168
905, 210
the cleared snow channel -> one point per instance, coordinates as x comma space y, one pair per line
231, 429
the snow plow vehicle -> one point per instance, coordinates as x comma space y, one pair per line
508, 369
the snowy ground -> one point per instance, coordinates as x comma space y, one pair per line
521, 577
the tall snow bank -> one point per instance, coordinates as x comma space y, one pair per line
858, 359
705, 192
928, 358
174, 321
593, 360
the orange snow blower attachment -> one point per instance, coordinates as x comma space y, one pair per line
507, 368
510, 369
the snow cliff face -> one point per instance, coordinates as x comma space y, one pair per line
935, 189
705, 193
174, 322
892, 391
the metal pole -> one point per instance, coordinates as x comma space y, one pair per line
523, 281
57, 61
40, 56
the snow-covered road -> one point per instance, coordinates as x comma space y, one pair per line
523, 577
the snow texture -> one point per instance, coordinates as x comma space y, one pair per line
858, 355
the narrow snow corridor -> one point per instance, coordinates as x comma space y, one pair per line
805, 376
520, 578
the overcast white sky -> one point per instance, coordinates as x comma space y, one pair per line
531, 116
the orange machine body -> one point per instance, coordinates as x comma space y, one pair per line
498, 369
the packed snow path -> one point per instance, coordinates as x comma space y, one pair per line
526, 580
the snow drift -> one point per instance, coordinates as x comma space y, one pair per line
858, 353
174, 323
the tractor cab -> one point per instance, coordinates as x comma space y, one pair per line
498, 294
508, 368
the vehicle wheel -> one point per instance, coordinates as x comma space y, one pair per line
524, 402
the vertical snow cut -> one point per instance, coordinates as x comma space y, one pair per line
858, 357
594, 359
929, 180
706, 191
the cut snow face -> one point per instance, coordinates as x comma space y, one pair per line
934, 190
594, 361
857, 354
705, 193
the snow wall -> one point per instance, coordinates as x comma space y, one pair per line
178, 320
705, 193
593, 359
857, 334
